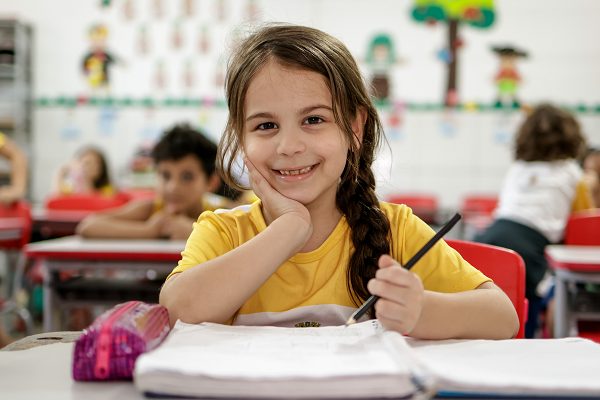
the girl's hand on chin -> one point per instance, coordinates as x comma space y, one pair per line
274, 203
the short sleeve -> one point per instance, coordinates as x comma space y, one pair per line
442, 269
210, 238
583, 198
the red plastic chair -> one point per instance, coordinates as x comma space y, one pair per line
86, 202
583, 228
16, 218
505, 267
15, 233
425, 206
479, 204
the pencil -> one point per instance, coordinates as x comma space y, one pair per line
366, 306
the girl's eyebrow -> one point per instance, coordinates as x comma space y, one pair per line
259, 115
304, 110
308, 109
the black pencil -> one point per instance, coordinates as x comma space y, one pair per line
366, 306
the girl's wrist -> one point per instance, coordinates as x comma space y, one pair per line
296, 229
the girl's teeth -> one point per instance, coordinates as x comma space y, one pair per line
295, 171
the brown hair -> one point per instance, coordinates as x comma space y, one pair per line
313, 50
548, 134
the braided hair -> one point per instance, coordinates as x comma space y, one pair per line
313, 50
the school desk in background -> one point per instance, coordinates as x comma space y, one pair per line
60, 214
577, 264
100, 272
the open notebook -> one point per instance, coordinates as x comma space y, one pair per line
210, 360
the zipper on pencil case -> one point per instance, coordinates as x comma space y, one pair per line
101, 369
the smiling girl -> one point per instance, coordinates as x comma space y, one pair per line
318, 242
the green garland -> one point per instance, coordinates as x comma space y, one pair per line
195, 102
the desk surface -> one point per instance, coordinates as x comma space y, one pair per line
575, 258
77, 248
45, 371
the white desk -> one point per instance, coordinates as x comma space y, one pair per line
73, 253
44, 372
571, 264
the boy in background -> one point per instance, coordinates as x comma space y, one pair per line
185, 166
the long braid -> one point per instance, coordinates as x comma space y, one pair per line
370, 228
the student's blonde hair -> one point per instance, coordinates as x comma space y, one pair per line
313, 50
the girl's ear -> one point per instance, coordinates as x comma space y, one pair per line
358, 125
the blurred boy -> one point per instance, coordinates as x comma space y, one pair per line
185, 168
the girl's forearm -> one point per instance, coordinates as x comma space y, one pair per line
484, 313
104, 227
215, 290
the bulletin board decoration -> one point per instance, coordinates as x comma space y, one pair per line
507, 77
98, 60
453, 13
381, 56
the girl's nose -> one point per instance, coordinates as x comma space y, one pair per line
290, 142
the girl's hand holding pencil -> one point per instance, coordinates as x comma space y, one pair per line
400, 294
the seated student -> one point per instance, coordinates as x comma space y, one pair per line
319, 243
16, 187
185, 167
542, 187
87, 173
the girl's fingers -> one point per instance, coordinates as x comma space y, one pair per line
387, 290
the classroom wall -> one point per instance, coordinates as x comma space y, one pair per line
447, 153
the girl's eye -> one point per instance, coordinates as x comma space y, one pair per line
313, 120
266, 126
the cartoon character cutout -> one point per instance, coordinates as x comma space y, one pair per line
96, 63
380, 58
508, 78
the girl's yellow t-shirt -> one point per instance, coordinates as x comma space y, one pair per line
310, 289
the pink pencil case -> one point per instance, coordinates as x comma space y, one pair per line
108, 348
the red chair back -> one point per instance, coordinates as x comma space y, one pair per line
19, 215
583, 228
505, 267
425, 206
479, 204
86, 202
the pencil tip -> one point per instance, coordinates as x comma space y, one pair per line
350, 321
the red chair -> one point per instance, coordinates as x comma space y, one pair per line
425, 206
505, 267
479, 204
15, 225
15, 233
86, 202
583, 229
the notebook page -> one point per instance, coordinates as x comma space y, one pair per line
211, 360
566, 366
273, 353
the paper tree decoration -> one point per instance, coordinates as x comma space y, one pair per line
477, 13
508, 78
